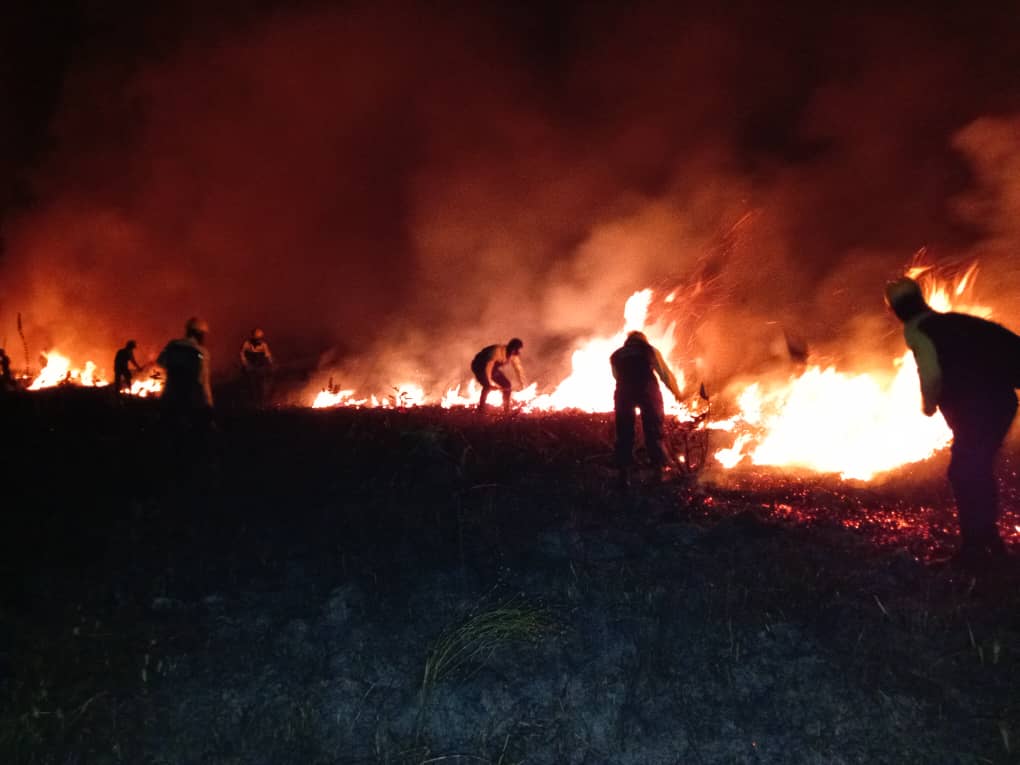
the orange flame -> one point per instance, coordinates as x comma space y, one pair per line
853, 424
59, 371
589, 386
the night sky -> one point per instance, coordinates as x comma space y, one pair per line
392, 185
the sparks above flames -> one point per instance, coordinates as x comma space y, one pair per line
856, 424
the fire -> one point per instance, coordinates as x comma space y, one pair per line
856, 424
150, 386
829, 421
589, 386
409, 394
59, 371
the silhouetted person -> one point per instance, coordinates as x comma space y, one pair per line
968, 368
487, 367
638, 367
7, 382
187, 394
122, 363
257, 364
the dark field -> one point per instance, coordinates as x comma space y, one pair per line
422, 586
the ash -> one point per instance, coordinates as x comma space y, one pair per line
426, 586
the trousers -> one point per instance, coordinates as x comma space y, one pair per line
648, 398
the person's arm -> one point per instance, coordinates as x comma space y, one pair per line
612, 365
515, 361
244, 359
489, 366
928, 370
203, 379
269, 354
666, 375
133, 360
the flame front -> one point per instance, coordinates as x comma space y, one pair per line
856, 424
829, 421
60, 371
589, 386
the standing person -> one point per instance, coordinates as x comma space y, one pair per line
968, 368
187, 394
637, 368
257, 364
6, 378
487, 367
122, 362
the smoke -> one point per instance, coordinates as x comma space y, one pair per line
386, 188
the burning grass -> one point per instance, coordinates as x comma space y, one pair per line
277, 598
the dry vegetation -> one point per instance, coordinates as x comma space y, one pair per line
425, 587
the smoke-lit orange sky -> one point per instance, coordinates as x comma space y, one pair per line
390, 186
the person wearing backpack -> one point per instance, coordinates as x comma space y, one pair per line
968, 368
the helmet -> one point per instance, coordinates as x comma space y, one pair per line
131, 344
637, 337
258, 334
905, 298
515, 345
196, 327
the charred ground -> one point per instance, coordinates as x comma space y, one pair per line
421, 586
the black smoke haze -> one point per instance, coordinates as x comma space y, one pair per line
393, 186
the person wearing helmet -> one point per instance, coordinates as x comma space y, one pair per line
638, 367
257, 365
186, 361
968, 368
122, 362
487, 367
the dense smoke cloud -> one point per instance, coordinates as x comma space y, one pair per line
402, 184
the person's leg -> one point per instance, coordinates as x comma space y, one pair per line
978, 433
484, 395
260, 388
624, 421
478, 370
505, 386
653, 419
